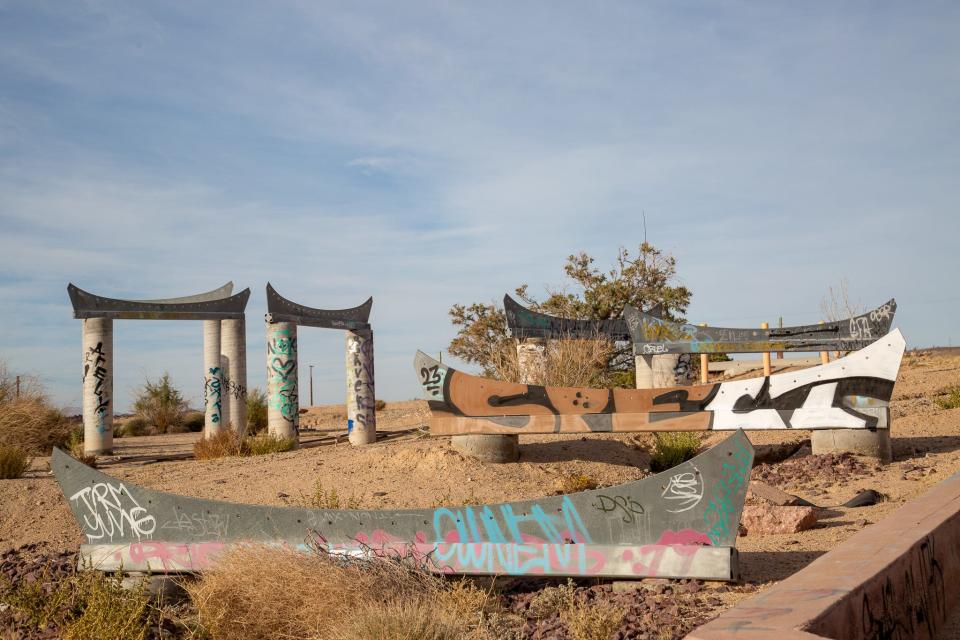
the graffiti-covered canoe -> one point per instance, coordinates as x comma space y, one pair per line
652, 335
851, 392
679, 523
526, 323
217, 304
280, 309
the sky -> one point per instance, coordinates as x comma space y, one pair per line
437, 153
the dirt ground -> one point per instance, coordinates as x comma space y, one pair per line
414, 470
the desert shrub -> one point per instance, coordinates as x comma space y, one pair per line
320, 498
33, 425
135, 426
160, 403
951, 399
256, 411
304, 596
574, 482
265, 443
551, 601
81, 606
671, 448
380, 405
194, 421
592, 621
566, 363
75, 448
223, 443
13, 462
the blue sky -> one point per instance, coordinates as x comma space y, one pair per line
428, 154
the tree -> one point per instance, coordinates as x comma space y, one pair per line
160, 404
644, 282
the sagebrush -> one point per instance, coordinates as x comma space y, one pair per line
950, 398
160, 404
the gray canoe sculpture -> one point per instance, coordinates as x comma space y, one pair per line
218, 304
280, 309
681, 523
525, 323
653, 336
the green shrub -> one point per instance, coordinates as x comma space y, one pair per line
319, 498
671, 448
256, 411
951, 399
13, 462
160, 404
264, 443
135, 426
194, 421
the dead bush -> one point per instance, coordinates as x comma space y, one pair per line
33, 425
567, 363
592, 621
304, 596
13, 462
223, 443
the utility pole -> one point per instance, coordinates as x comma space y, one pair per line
311, 385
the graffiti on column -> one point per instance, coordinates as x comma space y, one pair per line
94, 363
235, 389
282, 349
213, 393
362, 365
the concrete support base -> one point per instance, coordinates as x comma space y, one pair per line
283, 400
488, 448
97, 385
361, 395
656, 372
233, 345
875, 444
212, 379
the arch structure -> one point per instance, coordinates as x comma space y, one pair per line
681, 523
526, 323
849, 393
652, 335
283, 402
224, 348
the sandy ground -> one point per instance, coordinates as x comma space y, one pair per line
417, 471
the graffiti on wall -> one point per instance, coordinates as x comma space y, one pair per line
213, 394
360, 381
109, 511
282, 374
94, 364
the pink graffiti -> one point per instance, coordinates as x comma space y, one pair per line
685, 543
171, 556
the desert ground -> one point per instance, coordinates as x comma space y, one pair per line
412, 469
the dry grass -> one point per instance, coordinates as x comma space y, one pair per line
575, 482
222, 443
566, 363
951, 399
674, 447
551, 601
13, 462
263, 444
592, 621
30, 423
74, 445
320, 498
314, 595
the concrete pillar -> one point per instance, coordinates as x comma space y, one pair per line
212, 380
97, 385
224, 386
361, 395
531, 361
655, 372
283, 401
233, 346
875, 444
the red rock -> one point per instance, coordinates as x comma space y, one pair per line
767, 519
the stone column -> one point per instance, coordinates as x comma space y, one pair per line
212, 380
361, 396
656, 372
283, 402
234, 355
97, 385
531, 361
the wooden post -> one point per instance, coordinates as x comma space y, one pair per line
766, 354
704, 364
780, 325
18, 387
824, 355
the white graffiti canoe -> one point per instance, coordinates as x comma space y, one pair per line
849, 393
681, 523
652, 335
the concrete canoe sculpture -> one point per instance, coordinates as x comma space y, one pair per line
681, 523
280, 309
526, 323
652, 335
851, 392
212, 305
